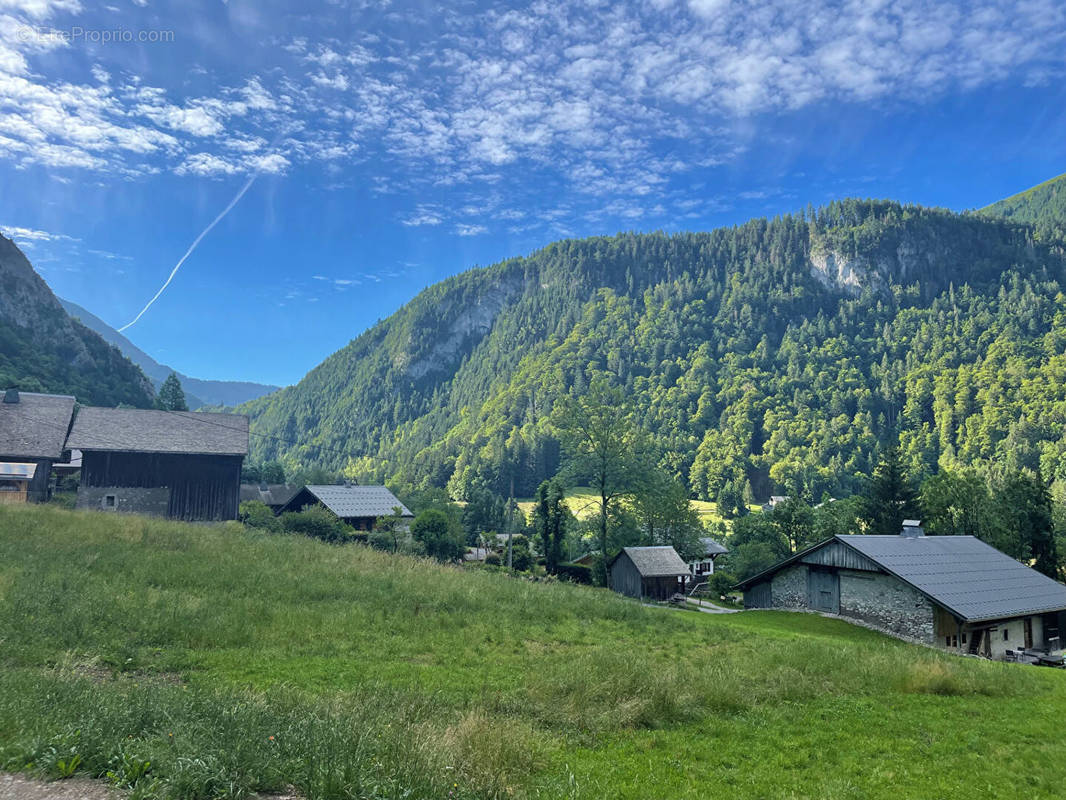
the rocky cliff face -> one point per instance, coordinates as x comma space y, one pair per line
47, 350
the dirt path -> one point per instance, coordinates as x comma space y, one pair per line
16, 787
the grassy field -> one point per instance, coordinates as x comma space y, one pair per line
584, 504
210, 661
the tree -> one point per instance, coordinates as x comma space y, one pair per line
551, 520
795, 520
890, 496
603, 446
272, 472
171, 396
389, 530
440, 534
666, 516
256, 514
484, 511
1026, 504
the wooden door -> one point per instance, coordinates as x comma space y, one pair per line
823, 590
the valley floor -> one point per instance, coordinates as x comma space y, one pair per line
214, 661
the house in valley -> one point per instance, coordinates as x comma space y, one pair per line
273, 495
955, 592
178, 464
33, 434
655, 573
359, 506
703, 567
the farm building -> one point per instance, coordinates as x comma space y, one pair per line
274, 495
33, 433
653, 572
359, 506
703, 567
955, 592
179, 464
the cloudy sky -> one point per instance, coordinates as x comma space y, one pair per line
391, 144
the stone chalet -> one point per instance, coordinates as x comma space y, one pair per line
955, 592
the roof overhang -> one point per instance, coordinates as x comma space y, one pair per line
17, 470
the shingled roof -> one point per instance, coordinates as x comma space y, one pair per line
274, 494
357, 501
655, 562
973, 580
146, 431
711, 547
962, 574
36, 426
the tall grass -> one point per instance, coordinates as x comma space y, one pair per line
230, 661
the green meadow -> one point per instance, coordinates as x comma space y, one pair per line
195, 661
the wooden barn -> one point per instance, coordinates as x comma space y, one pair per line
656, 573
177, 464
359, 506
33, 433
955, 592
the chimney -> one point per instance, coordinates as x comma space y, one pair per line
11, 396
912, 529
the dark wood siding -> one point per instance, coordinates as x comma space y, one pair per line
758, 595
201, 487
624, 576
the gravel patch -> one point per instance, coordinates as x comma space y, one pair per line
16, 787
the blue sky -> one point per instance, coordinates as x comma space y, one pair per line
394, 144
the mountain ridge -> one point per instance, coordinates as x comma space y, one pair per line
198, 392
43, 349
827, 315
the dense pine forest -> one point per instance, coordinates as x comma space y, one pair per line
779, 355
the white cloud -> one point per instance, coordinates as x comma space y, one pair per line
424, 215
464, 229
24, 235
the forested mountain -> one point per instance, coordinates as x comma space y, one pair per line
197, 392
43, 350
785, 353
1043, 206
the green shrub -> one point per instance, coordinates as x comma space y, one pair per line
578, 573
257, 514
318, 523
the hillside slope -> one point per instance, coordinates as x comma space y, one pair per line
782, 352
197, 392
1043, 206
232, 662
43, 349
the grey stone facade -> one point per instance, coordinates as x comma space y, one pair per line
130, 500
789, 587
884, 602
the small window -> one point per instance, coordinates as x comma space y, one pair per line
964, 638
109, 501
1006, 635
947, 641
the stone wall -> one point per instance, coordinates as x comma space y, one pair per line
887, 603
155, 501
789, 587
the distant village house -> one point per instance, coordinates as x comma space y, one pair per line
359, 506
654, 573
703, 567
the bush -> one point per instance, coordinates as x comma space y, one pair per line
256, 514
493, 560
441, 535
318, 523
577, 573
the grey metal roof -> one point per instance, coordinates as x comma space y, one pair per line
147, 431
712, 548
358, 501
966, 576
274, 494
36, 426
656, 562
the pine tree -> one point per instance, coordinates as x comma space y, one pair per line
890, 496
171, 396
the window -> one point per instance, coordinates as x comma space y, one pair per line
1006, 635
947, 641
964, 638
109, 501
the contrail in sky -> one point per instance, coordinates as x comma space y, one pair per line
207, 230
